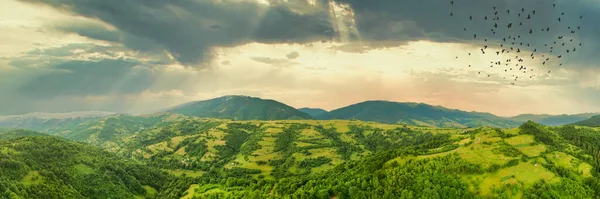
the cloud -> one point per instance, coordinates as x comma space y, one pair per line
274, 61
293, 55
390, 20
190, 29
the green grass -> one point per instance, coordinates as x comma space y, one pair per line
32, 177
533, 151
478, 153
568, 161
83, 169
189, 173
526, 173
520, 141
191, 191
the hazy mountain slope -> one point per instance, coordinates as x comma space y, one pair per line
554, 120
416, 114
44, 124
240, 108
314, 112
50, 167
110, 129
591, 122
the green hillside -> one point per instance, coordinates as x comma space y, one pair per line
49, 167
223, 158
314, 112
553, 120
417, 114
592, 122
240, 108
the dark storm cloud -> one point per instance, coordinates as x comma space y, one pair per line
188, 28
406, 20
81, 78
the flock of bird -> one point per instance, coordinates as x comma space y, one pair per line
518, 34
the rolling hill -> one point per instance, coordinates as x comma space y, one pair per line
240, 108
416, 114
314, 112
341, 158
50, 167
553, 120
591, 122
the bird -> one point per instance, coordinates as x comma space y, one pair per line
559, 19
475, 36
471, 18
451, 14
581, 17
452, 2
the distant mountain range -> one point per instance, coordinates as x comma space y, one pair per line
314, 112
237, 107
554, 120
416, 114
592, 122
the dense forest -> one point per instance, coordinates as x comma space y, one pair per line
50, 167
187, 157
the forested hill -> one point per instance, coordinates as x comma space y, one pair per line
591, 122
554, 120
240, 108
216, 158
50, 167
314, 112
417, 114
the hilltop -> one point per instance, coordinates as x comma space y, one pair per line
416, 114
240, 108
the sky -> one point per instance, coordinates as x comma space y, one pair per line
139, 56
